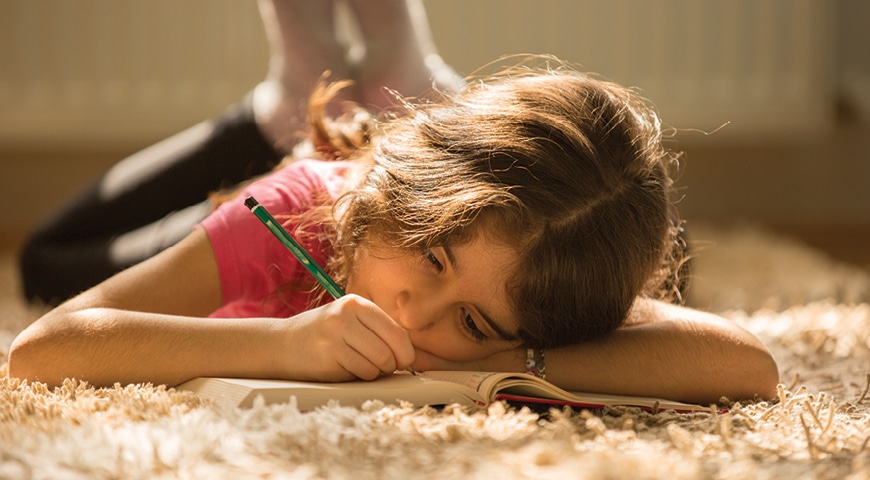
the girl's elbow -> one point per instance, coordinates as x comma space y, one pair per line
767, 376
20, 362
29, 358
755, 376
753, 368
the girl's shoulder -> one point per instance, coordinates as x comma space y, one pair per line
292, 189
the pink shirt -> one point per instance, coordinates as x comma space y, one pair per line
252, 263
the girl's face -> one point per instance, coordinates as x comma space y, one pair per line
451, 300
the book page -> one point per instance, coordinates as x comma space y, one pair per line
418, 390
472, 380
524, 387
429, 388
532, 388
487, 384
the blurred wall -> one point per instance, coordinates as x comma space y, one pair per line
807, 163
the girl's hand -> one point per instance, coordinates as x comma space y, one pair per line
350, 338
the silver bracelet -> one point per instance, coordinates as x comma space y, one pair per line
535, 363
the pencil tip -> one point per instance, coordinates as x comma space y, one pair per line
251, 202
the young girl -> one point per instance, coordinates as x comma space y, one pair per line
527, 216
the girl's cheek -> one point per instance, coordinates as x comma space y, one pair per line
432, 343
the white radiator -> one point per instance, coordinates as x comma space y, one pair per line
766, 66
129, 71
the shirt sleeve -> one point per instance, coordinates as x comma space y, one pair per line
252, 263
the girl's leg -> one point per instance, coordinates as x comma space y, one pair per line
302, 45
84, 242
399, 52
153, 198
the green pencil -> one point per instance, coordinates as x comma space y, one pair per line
294, 247
304, 257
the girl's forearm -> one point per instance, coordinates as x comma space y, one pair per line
662, 360
103, 346
673, 352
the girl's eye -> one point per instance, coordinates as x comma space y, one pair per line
430, 257
471, 328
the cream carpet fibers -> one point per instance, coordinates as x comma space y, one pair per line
811, 311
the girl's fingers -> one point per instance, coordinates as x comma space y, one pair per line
363, 327
386, 331
358, 365
368, 346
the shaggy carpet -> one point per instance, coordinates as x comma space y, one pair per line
810, 310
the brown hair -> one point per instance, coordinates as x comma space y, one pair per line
568, 169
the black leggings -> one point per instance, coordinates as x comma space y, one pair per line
144, 204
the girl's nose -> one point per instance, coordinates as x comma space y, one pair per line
415, 312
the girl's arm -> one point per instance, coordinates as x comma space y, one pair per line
663, 351
149, 324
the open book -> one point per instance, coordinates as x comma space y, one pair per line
429, 388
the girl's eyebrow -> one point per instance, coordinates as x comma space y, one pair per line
502, 333
451, 259
493, 325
